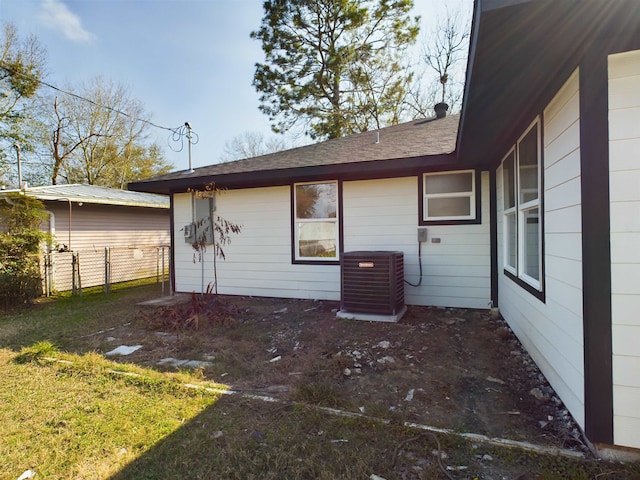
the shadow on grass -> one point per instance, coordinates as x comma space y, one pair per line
237, 438
241, 439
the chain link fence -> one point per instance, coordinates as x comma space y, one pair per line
73, 271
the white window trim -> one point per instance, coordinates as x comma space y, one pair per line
513, 269
520, 210
297, 221
522, 251
471, 195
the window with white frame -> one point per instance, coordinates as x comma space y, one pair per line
316, 221
510, 213
449, 196
521, 170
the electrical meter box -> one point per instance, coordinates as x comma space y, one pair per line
189, 233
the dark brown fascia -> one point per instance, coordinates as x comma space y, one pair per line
264, 178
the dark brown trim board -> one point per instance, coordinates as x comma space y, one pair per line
596, 248
172, 250
366, 170
541, 207
340, 221
292, 222
493, 235
539, 294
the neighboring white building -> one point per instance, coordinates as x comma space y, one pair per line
86, 219
530, 199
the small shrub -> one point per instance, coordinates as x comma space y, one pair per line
202, 311
20, 241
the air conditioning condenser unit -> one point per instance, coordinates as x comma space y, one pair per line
372, 286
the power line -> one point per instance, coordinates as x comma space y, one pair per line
177, 133
182, 132
106, 107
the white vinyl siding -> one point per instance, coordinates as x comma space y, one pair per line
624, 188
94, 227
552, 330
258, 260
381, 215
378, 215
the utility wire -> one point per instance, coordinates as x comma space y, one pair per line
177, 133
182, 132
106, 107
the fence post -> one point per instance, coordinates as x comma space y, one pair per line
73, 274
171, 277
107, 270
163, 270
75, 270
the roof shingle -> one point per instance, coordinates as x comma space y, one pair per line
424, 137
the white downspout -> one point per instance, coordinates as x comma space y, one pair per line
50, 245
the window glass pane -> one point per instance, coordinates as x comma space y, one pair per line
528, 165
508, 181
510, 239
531, 243
317, 239
448, 183
316, 200
448, 207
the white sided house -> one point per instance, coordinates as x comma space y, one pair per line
295, 228
528, 201
302, 208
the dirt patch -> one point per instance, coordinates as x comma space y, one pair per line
451, 368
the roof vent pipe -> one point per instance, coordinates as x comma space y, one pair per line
441, 109
377, 136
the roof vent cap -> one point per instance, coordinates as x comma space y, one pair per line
441, 109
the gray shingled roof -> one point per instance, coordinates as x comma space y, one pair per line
95, 194
424, 137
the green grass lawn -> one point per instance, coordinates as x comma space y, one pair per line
61, 320
79, 416
81, 420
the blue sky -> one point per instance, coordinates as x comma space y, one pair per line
184, 60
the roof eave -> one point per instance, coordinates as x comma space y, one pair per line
349, 171
98, 201
521, 52
49, 197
